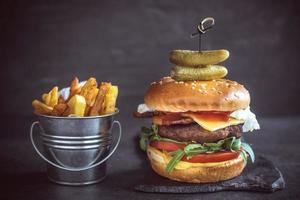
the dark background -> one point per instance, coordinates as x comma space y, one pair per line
47, 43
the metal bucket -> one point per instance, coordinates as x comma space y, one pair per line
76, 148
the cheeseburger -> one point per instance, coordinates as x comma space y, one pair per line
198, 118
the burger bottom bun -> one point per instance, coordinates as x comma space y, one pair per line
198, 174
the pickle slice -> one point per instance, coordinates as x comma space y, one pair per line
206, 73
195, 58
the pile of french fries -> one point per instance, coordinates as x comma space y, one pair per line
88, 100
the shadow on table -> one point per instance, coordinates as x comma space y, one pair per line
19, 180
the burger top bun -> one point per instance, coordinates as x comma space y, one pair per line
168, 95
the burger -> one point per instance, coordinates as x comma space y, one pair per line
196, 128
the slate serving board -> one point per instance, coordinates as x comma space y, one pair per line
262, 176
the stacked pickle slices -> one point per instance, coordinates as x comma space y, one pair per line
198, 65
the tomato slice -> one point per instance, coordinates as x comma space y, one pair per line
212, 157
200, 158
166, 146
166, 118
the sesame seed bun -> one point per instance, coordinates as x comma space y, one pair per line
205, 173
168, 95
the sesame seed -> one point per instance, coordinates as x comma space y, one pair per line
180, 82
213, 89
219, 92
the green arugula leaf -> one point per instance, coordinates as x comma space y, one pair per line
146, 130
154, 137
236, 144
194, 149
145, 135
170, 140
191, 147
159, 138
247, 148
173, 153
214, 149
154, 128
194, 152
144, 141
229, 142
177, 156
244, 156
218, 144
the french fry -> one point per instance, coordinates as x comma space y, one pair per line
98, 105
91, 96
86, 100
46, 98
110, 100
51, 98
67, 112
54, 97
41, 108
60, 107
74, 88
89, 91
90, 84
61, 100
77, 105
87, 110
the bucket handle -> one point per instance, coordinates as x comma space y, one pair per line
75, 169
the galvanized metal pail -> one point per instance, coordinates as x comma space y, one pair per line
76, 148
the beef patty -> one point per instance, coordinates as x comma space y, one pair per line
194, 132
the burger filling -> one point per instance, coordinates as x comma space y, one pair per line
164, 158
198, 137
209, 120
194, 132
192, 151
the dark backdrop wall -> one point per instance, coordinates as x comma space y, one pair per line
43, 44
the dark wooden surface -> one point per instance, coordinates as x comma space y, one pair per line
22, 172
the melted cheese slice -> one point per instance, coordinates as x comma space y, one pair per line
213, 125
164, 158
